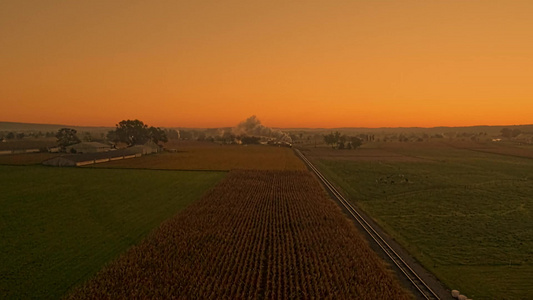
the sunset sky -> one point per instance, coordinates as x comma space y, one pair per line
292, 63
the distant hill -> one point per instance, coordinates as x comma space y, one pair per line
31, 127
492, 130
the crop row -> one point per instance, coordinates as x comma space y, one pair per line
258, 234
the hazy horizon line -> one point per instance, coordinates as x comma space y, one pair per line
275, 127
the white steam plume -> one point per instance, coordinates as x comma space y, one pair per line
253, 127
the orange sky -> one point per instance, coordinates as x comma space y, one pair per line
291, 63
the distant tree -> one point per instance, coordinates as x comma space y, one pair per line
355, 142
10, 136
157, 135
135, 132
330, 139
132, 132
66, 137
506, 132
510, 133
20, 135
337, 136
342, 139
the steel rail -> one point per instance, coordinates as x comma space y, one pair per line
403, 266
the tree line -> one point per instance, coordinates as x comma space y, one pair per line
130, 132
341, 141
510, 133
21, 135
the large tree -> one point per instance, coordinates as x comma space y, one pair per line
157, 135
132, 132
135, 132
66, 137
330, 139
509, 133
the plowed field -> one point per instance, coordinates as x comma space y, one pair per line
257, 234
211, 156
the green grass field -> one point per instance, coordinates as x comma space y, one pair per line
59, 226
466, 215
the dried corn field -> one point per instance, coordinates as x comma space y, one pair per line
258, 234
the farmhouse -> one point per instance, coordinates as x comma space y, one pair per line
76, 160
89, 147
147, 148
53, 149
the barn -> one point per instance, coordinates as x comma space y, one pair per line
148, 148
89, 147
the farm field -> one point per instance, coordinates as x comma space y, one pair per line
465, 215
25, 158
518, 150
59, 226
212, 156
257, 234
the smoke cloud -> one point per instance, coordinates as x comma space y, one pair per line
253, 127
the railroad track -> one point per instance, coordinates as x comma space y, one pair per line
425, 291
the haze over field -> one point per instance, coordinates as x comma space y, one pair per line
294, 64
